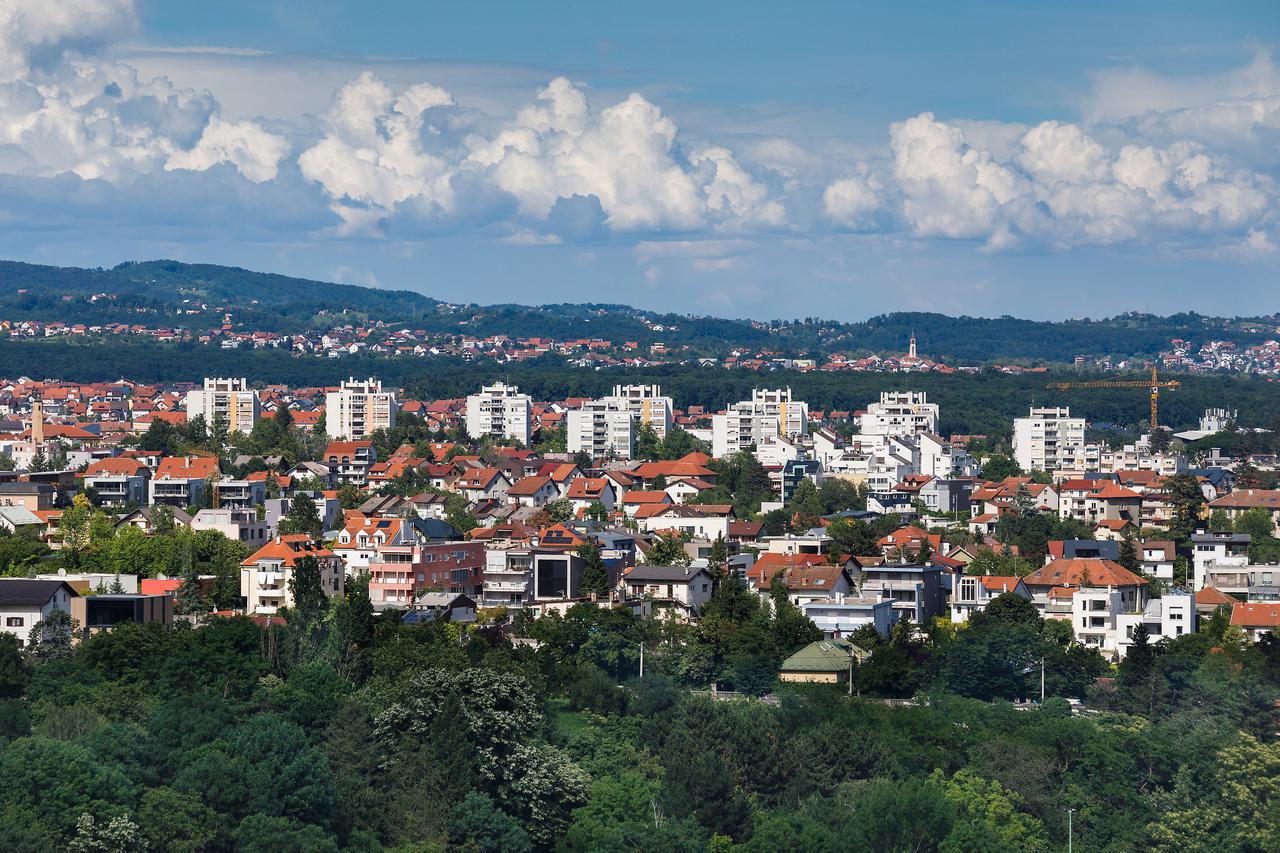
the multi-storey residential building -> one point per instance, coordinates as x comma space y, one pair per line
500, 410
357, 408
118, 480
1241, 501
1092, 593
265, 575
238, 525
899, 413
1140, 457
228, 399
916, 591
975, 592
350, 461
181, 481
508, 577
401, 572
1047, 438
1220, 559
769, 413
1098, 500
239, 493
645, 403
1167, 617
601, 429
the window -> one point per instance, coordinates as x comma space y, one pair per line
13, 622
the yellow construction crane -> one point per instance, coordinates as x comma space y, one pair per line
1154, 385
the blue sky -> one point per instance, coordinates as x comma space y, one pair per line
742, 159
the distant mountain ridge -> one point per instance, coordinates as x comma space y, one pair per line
197, 296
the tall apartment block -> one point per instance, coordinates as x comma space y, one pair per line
230, 399
500, 410
357, 408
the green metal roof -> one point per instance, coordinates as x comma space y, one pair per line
822, 656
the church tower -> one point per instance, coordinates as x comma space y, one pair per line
37, 423
911, 348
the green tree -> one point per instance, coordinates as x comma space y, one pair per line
1188, 504
303, 517
718, 559
595, 578
51, 636
667, 549
175, 822
306, 586
477, 824
14, 671
1137, 676
1129, 555
998, 467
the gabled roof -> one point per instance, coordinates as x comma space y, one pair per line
187, 468
23, 592
587, 488
1000, 583
347, 448
823, 656
560, 536
288, 550
770, 563
478, 478
1248, 499
1211, 596
528, 486
639, 496
114, 466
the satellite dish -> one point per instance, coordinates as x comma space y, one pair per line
62, 573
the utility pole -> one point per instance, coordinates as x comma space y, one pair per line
1042, 680
851, 671
1070, 814
642, 659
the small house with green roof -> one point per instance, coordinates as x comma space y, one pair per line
825, 662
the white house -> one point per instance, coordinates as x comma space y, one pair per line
686, 588
24, 602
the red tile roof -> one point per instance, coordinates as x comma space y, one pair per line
1256, 614
1073, 572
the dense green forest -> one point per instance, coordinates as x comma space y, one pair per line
152, 292
984, 402
343, 730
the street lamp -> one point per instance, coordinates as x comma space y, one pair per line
1070, 814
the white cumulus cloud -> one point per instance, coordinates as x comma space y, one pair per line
64, 109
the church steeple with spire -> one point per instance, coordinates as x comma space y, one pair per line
911, 348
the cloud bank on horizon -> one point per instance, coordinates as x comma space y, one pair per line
87, 138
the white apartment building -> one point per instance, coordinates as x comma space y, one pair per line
1047, 438
645, 403
500, 410
899, 413
508, 577
601, 429
769, 413
1167, 617
1140, 457
229, 399
357, 408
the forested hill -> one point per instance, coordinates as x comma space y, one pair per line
198, 296
195, 296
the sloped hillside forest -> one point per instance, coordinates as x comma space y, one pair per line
342, 730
